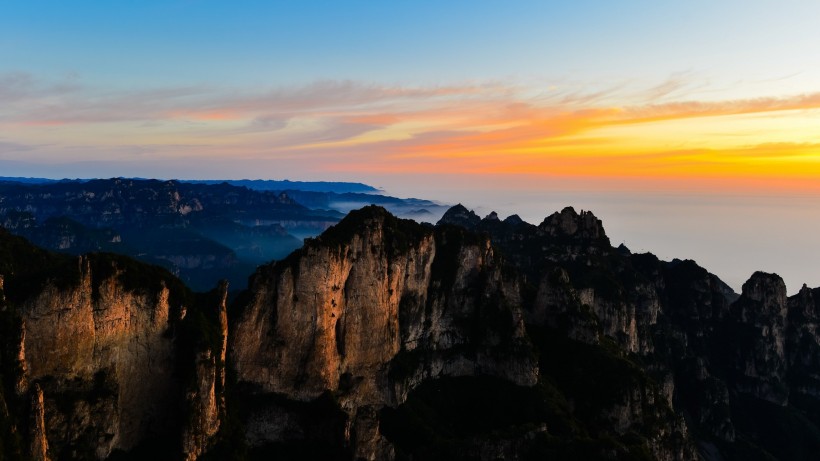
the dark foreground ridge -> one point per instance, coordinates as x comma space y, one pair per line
385, 339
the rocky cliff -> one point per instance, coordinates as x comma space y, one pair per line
371, 309
385, 339
91, 360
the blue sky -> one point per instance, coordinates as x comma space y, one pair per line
151, 43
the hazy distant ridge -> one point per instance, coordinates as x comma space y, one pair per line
313, 186
255, 184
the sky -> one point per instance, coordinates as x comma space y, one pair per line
691, 128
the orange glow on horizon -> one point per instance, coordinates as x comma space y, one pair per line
770, 142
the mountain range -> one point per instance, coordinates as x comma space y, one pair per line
202, 231
387, 339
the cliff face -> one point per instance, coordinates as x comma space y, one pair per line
759, 335
206, 398
742, 365
377, 309
803, 343
371, 309
386, 339
110, 344
91, 343
735, 368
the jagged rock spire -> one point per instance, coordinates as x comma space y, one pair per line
572, 224
459, 215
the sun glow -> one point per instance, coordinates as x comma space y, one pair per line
468, 130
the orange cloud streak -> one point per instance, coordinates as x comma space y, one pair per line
206, 115
470, 129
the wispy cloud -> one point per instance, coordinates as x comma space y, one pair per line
675, 84
6, 147
689, 109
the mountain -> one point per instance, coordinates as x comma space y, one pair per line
253, 184
311, 186
412, 208
382, 338
23, 180
200, 230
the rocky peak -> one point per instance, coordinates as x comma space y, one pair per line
369, 310
361, 218
805, 305
760, 338
459, 215
767, 291
373, 224
513, 220
623, 250
569, 223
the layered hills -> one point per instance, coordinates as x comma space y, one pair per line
202, 231
383, 338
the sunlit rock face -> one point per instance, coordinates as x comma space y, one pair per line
106, 348
372, 308
93, 342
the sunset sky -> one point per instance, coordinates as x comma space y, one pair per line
444, 100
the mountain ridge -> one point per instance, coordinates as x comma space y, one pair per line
201, 231
255, 184
384, 338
